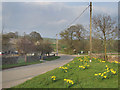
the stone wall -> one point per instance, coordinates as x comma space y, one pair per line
15, 60
9, 60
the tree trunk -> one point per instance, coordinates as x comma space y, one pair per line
42, 56
105, 58
25, 58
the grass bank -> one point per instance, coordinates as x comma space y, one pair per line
72, 75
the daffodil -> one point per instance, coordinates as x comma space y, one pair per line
103, 61
69, 81
107, 68
105, 76
104, 72
65, 79
83, 67
99, 73
88, 65
60, 67
96, 74
68, 64
116, 61
114, 72
53, 77
65, 70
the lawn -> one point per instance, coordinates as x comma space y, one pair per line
79, 73
52, 58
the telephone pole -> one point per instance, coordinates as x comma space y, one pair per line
90, 30
57, 44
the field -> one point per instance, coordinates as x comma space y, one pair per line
79, 73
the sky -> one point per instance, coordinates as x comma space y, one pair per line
50, 18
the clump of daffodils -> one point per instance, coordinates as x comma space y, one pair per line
115, 62
101, 75
111, 71
65, 69
53, 78
69, 82
80, 60
85, 66
106, 74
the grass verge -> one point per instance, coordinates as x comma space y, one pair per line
52, 58
20, 64
82, 78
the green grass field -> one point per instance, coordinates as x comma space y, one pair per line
82, 78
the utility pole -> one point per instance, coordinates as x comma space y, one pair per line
90, 31
57, 44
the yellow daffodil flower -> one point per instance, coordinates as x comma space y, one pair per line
103, 61
88, 65
96, 74
104, 72
68, 64
65, 70
105, 76
65, 79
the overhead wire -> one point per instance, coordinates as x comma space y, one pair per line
78, 16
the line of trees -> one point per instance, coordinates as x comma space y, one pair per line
76, 37
29, 43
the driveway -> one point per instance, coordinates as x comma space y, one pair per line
15, 76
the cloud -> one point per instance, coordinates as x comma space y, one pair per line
59, 22
105, 10
48, 18
38, 3
0, 16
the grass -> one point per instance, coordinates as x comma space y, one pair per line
52, 58
81, 78
20, 64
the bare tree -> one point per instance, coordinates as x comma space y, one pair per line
24, 46
105, 27
43, 47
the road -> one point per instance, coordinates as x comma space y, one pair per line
15, 76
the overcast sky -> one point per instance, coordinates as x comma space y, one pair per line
50, 18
